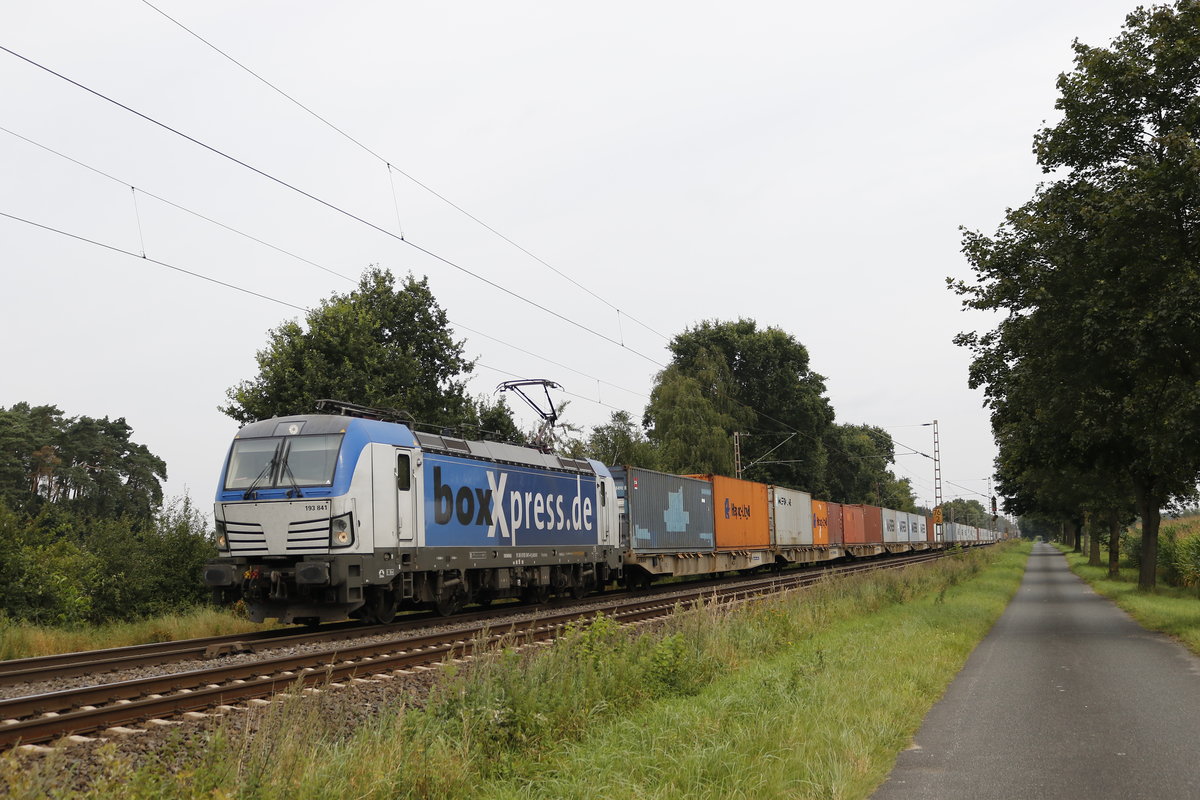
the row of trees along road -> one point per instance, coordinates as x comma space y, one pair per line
389, 345
1093, 373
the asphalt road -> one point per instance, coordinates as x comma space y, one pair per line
1067, 697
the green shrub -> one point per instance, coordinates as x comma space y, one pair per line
57, 568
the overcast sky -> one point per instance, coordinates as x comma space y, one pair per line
804, 165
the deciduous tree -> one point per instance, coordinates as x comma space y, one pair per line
731, 376
381, 345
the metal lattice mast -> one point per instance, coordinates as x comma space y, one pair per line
737, 453
937, 470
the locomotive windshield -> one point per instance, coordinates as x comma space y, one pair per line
283, 462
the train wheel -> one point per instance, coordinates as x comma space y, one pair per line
537, 594
381, 606
637, 579
450, 600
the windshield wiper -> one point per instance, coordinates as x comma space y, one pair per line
267, 470
287, 470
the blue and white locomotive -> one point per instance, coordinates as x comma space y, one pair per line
323, 516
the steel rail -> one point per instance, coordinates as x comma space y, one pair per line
96, 662
41, 718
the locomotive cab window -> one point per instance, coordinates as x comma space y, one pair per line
283, 462
403, 474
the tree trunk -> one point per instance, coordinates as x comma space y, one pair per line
1149, 511
1114, 545
1093, 541
1071, 534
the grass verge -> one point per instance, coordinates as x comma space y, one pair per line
20, 640
804, 695
1173, 611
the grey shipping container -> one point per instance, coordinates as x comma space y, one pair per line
664, 513
791, 517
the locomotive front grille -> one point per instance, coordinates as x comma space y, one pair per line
246, 538
308, 536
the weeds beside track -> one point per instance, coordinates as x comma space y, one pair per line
613, 713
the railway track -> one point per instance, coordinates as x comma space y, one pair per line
45, 717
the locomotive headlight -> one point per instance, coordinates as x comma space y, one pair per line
341, 531
222, 541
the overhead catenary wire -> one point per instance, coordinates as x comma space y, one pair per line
298, 257
177, 206
391, 167
142, 257
331, 206
235, 287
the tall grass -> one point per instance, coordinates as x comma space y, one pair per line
23, 640
809, 694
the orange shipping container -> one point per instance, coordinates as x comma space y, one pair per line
929, 530
820, 522
742, 513
835, 522
853, 530
873, 522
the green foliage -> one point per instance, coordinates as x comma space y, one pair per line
87, 465
691, 417
495, 421
728, 377
57, 568
621, 442
767, 371
857, 469
966, 512
380, 345
1178, 561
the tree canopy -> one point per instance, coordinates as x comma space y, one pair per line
381, 345
1093, 372
621, 441
857, 470
728, 377
89, 465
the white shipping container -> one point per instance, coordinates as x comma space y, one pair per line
791, 517
915, 534
891, 526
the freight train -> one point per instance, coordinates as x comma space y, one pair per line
323, 516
